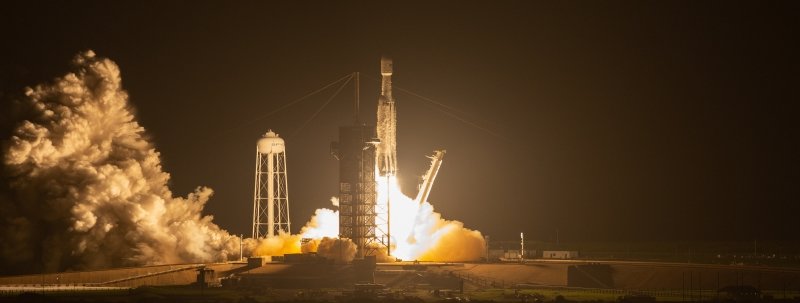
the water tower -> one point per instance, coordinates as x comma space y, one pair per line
271, 198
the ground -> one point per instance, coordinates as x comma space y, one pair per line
542, 280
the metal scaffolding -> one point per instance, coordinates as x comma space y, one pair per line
355, 151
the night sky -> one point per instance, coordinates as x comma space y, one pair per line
620, 121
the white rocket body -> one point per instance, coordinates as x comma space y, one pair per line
387, 123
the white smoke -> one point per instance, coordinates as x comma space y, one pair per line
324, 223
422, 234
336, 249
86, 187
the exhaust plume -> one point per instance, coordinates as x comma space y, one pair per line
339, 250
279, 245
420, 233
86, 187
324, 223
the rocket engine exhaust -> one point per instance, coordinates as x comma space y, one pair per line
86, 186
86, 190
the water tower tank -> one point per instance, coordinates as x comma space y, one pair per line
270, 143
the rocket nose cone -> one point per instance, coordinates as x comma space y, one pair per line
386, 66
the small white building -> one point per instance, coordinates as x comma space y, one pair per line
559, 254
509, 254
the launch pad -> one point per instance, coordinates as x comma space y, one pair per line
417, 282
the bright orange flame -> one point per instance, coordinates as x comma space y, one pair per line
418, 232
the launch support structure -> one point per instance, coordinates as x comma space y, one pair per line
355, 151
366, 153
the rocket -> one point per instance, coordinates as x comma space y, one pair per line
386, 123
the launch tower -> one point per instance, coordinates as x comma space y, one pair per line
355, 151
366, 153
271, 198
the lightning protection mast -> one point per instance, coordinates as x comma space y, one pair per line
270, 198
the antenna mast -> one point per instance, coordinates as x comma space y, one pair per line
357, 95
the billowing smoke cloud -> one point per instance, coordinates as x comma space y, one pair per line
324, 223
420, 233
86, 188
436, 239
336, 249
278, 245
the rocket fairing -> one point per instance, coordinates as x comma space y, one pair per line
386, 123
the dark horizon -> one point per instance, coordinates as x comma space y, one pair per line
618, 121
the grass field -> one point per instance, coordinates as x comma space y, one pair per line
549, 294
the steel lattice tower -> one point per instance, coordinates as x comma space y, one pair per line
355, 151
270, 198
366, 153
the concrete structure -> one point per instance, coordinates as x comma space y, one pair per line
206, 277
508, 254
270, 197
559, 254
175, 274
623, 276
258, 261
